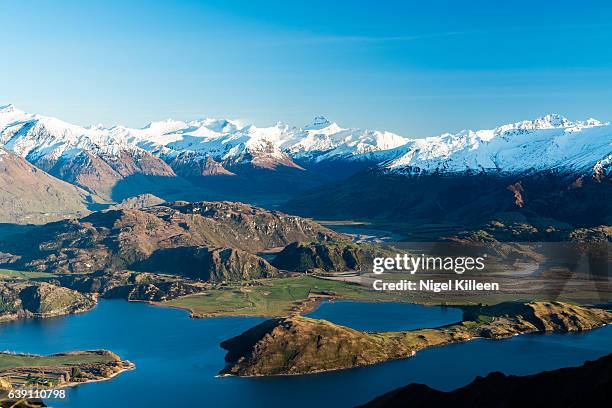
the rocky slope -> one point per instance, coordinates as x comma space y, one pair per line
137, 202
300, 345
208, 264
29, 195
192, 239
23, 299
587, 385
326, 256
130, 285
599, 234
113, 176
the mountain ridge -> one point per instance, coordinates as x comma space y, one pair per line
232, 142
226, 159
177, 237
547, 143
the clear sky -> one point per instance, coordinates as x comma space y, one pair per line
416, 68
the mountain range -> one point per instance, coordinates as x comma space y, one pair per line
322, 167
550, 173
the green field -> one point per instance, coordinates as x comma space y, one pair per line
10, 273
8, 361
270, 297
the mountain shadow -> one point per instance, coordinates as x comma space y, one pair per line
260, 186
459, 198
167, 188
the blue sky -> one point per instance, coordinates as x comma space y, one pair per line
416, 68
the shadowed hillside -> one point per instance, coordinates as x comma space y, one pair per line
202, 240
585, 386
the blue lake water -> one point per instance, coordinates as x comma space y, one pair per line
177, 358
387, 316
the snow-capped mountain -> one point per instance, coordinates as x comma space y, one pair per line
323, 140
551, 166
548, 143
230, 143
92, 158
97, 158
550, 171
168, 148
223, 139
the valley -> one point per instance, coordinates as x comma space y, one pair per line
273, 297
214, 259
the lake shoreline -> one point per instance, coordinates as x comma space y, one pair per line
134, 331
264, 349
25, 371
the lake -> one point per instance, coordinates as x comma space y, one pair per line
385, 316
177, 358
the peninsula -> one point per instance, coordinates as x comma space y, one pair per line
301, 345
31, 371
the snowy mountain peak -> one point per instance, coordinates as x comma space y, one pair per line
11, 112
97, 126
550, 121
7, 108
319, 122
549, 142
165, 126
553, 120
594, 122
218, 125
